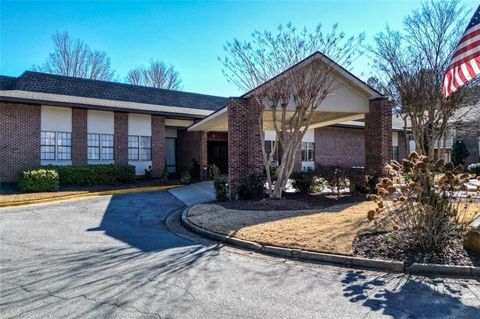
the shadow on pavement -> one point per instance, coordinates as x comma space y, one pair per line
118, 277
138, 220
403, 296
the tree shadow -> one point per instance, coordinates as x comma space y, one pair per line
118, 277
403, 296
139, 220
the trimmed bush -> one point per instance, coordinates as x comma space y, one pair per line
38, 180
304, 182
186, 178
90, 175
336, 177
220, 183
254, 187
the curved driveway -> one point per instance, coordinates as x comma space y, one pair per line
114, 257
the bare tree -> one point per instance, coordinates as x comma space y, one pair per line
290, 100
74, 58
157, 74
411, 65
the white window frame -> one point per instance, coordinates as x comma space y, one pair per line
56, 146
100, 147
308, 147
140, 149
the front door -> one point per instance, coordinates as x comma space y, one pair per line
218, 155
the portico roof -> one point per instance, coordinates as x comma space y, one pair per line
347, 102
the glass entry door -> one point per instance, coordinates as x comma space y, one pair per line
170, 159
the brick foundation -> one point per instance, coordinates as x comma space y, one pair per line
158, 145
244, 141
121, 137
19, 138
378, 136
79, 136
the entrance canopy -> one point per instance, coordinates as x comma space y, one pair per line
349, 100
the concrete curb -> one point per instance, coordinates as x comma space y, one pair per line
86, 195
348, 261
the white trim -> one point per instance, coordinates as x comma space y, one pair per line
338, 120
178, 123
102, 102
197, 126
341, 70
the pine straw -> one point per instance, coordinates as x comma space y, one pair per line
330, 230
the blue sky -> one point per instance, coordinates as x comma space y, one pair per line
189, 35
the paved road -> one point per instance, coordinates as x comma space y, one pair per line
114, 257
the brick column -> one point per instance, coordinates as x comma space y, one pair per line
19, 138
244, 141
121, 137
158, 145
79, 136
378, 136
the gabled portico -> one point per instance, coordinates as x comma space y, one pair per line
351, 99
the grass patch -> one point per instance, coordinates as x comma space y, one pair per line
330, 230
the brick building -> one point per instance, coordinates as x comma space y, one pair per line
51, 119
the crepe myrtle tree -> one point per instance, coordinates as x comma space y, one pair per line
288, 98
410, 64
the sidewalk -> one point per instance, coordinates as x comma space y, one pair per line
193, 194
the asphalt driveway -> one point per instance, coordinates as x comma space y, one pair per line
115, 257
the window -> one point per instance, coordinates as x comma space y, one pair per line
133, 148
47, 145
107, 147
308, 152
395, 155
268, 149
55, 145
145, 148
139, 148
100, 146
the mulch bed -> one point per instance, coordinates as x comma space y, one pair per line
293, 201
386, 246
11, 188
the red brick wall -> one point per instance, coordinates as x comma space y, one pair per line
217, 136
121, 137
79, 136
378, 136
340, 146
191, 145
244, 141
19, 138
158, 145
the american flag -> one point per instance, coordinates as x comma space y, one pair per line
465, 62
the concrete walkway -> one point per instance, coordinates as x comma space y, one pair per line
197, 193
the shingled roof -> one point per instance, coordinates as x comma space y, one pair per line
72, 86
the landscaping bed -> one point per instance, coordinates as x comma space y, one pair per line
10, 193
294, 201
331, 229
385, 246
339, 227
